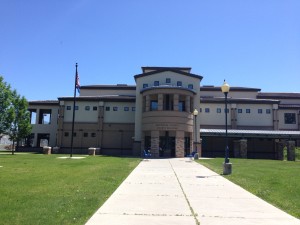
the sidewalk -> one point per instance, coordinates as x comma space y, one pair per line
180, 191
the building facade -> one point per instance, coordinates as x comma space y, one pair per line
157, 114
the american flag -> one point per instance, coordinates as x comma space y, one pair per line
77, 83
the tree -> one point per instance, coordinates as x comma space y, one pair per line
5, 105
20, 116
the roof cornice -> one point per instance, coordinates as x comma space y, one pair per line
164, 69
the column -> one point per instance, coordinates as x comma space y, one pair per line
175, 102
60, 126
275, 117
179, 144
240, 148
188, 103
147, 108
244, 148
160, 102
291, 150
100, 124
233, 116
155, 144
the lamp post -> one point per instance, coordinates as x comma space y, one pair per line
227, 166
195, 113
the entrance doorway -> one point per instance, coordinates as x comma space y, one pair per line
166, 145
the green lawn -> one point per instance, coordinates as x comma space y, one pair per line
277, 182
43, 189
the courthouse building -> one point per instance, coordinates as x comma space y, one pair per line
159, 113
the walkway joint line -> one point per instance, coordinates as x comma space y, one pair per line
185, 196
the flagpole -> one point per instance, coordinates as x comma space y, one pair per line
74, 104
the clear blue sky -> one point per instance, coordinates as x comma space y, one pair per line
250, 43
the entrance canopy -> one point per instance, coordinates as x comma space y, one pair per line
250, 133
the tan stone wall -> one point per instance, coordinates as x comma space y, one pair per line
179, 146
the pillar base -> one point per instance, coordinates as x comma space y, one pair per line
92, 151
227, 168
47, 150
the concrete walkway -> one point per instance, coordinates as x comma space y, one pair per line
180, 191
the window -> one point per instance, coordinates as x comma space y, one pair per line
156, 83
107, 108
115, 108
74, 134
94, 108
259, 111
153, 106
85, 134
181, 106
168, 80
145, 85
268, 111
66, 134
218, 110
45, 116
179, 83
200, 110
126, 108
76, 107
190, 86
240, 110
87, 108
133, 109
68, 107
93, 134
248, 110
227, 110
290, 118
207, 110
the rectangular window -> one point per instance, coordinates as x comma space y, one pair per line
74, 134
290, 118
133, 109
227, 110
76, 107
94, 108
240, 110
168, 80
85, 134
248, 111
33, 117
68, 107
145, 85
268, 111
115, 108
87, 108
107, 108
153, 106
200, 110
179, 83
218, 110
126, 108
259, 111
190, 86
66, 134
207, 110
156, 83
93, 134
181, 106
